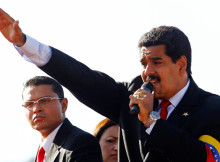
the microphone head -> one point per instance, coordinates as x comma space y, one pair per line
148, 86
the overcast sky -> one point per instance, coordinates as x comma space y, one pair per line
103, 35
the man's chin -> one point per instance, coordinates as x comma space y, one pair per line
38, 126
157, 95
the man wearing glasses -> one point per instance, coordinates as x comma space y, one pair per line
45, 107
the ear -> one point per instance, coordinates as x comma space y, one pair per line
182, 62
64, 104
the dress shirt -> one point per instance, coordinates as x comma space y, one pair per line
47, 142
174, 102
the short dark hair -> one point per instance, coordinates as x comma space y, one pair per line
44, 80
102, 126
176, 42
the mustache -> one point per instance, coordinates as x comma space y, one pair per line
154, 77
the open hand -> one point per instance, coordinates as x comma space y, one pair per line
10, 29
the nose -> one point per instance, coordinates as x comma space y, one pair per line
116, 146
148, 71
36, 108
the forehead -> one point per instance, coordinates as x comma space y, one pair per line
152, 50
111, 131
35, 92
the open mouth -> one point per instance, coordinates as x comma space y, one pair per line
154, 81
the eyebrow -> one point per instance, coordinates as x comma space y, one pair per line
151, 58
156, 58
113, 137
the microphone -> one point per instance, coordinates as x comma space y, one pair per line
147, 86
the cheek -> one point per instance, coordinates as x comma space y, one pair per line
167, 75
29, 116
170, 77
55, 113
169, 81
103, 145
54, 110
105, 148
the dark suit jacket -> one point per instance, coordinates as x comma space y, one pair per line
173, 140
72, 144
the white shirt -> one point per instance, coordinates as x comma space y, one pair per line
35, 52
47, 142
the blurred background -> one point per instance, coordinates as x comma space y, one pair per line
103, 34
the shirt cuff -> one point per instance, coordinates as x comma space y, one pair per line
148, 130
35, 52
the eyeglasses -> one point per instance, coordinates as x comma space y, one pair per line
41, 101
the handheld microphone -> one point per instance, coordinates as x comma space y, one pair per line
147, 86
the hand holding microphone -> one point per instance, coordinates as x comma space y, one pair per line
148, 86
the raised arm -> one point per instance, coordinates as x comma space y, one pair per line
10, 29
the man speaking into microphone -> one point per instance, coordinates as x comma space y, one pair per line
177, 122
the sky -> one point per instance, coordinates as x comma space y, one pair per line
103, 34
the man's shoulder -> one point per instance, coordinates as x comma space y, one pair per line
212, 100
204, 96
77, 135
209, 103
76, 144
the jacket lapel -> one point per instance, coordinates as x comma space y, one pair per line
59, 141
187, 106
53, 153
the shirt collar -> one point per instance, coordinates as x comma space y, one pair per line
47, 142
178, 96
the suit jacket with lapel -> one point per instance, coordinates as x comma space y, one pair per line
72, 144
172, 140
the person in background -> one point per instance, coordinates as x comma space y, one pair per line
107, 134
178, 122
45, 107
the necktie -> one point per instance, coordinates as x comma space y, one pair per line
163, 113
40, 155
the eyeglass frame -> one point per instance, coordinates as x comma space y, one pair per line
37, 101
